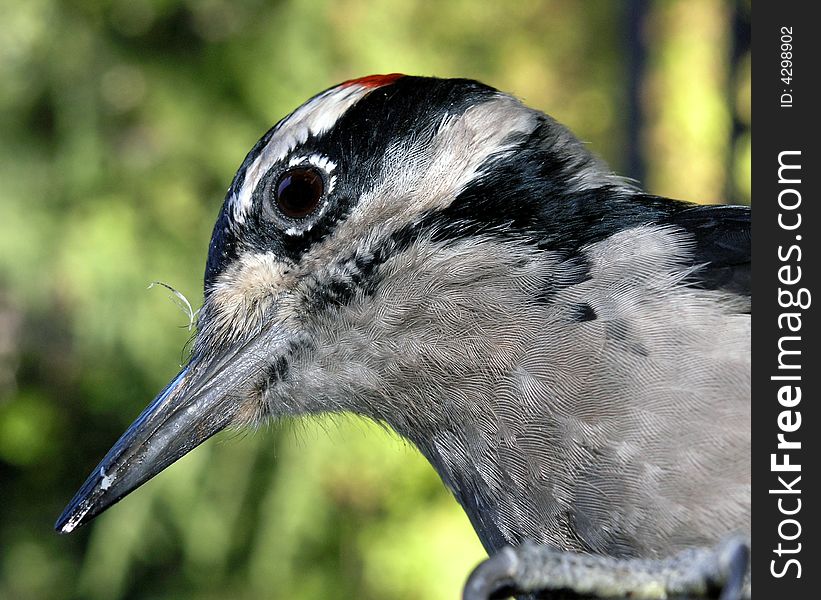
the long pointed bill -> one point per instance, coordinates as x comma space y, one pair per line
203, 399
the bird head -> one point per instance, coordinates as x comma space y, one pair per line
383, 250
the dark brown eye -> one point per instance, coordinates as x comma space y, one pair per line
299, 192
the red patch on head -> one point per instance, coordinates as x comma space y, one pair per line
373, 81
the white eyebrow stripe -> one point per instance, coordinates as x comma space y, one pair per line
315, 117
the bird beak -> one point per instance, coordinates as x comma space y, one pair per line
202, 400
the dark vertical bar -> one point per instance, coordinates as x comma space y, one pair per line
636, 58
740, 47
785, 372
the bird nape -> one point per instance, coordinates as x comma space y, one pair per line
571, 354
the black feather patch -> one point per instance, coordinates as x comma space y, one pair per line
722, 245
278, 371
582, 312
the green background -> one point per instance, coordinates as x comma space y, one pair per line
121, 125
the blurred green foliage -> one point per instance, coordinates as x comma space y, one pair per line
122, 122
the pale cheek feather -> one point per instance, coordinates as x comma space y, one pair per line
245, 293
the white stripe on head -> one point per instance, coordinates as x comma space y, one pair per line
315, 117
426, 173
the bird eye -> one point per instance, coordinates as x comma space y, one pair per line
299, 192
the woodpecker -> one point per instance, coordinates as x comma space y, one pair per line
570, 353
